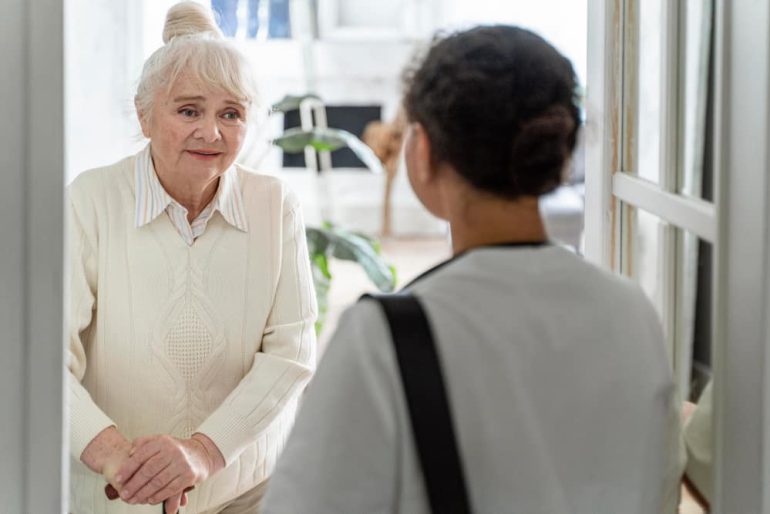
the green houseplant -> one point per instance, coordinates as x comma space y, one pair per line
328, 241
320, 138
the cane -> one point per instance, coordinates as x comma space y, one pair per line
112, 494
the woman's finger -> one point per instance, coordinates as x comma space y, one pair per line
183, 499
144, 474
172, 489
141, 441
132, 464
149, 492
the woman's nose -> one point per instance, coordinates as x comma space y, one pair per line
208, 129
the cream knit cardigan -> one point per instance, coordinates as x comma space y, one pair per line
166, 338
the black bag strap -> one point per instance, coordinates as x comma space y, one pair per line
427, 401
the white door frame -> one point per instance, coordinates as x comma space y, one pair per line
32, 435
738, 224
742, 292
603, 121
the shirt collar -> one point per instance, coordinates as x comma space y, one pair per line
152, 199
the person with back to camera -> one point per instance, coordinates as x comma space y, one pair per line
192, 306
558, 387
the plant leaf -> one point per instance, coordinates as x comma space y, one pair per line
290, 102
363, 152
329, 241
350, 247
318, 244
294, 140
317, 241
322, 279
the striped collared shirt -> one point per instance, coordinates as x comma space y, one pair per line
152, 200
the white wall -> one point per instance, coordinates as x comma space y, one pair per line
103, 59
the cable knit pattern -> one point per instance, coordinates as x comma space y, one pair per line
189, 342
166, 337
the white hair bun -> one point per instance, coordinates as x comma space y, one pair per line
189, 19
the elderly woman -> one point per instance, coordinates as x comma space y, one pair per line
192, 308
555, 371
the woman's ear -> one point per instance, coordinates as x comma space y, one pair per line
422, 172
140, 114
422, 157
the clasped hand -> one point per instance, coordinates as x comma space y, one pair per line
161, 468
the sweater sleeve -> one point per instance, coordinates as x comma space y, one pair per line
286, 360
86, 418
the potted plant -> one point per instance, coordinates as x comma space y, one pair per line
330, 241
327, 242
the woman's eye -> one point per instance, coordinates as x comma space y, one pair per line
189, 113
232, 115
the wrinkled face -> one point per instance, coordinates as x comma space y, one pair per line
196, 132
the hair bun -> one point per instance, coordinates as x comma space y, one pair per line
189, 19
541, 149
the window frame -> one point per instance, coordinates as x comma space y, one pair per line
737, 223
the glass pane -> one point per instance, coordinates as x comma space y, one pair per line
676, 275
697, 99
260, 19
695, 300
674, 268
647, 256
650, 76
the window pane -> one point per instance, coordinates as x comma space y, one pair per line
674, 268
695, 305
253, 18
649, 77
647, 257
697, 99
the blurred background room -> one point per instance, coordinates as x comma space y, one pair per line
348, 56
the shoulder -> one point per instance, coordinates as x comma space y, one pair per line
362, 335
364, 316
604, 281
103, 175
617, 300
551, 275
359, 359
616, 290
598, 286
101, 185
257, 187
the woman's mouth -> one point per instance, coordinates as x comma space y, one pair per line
204, 154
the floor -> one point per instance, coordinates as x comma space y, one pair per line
410, 257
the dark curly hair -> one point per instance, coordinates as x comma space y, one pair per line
499, 104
